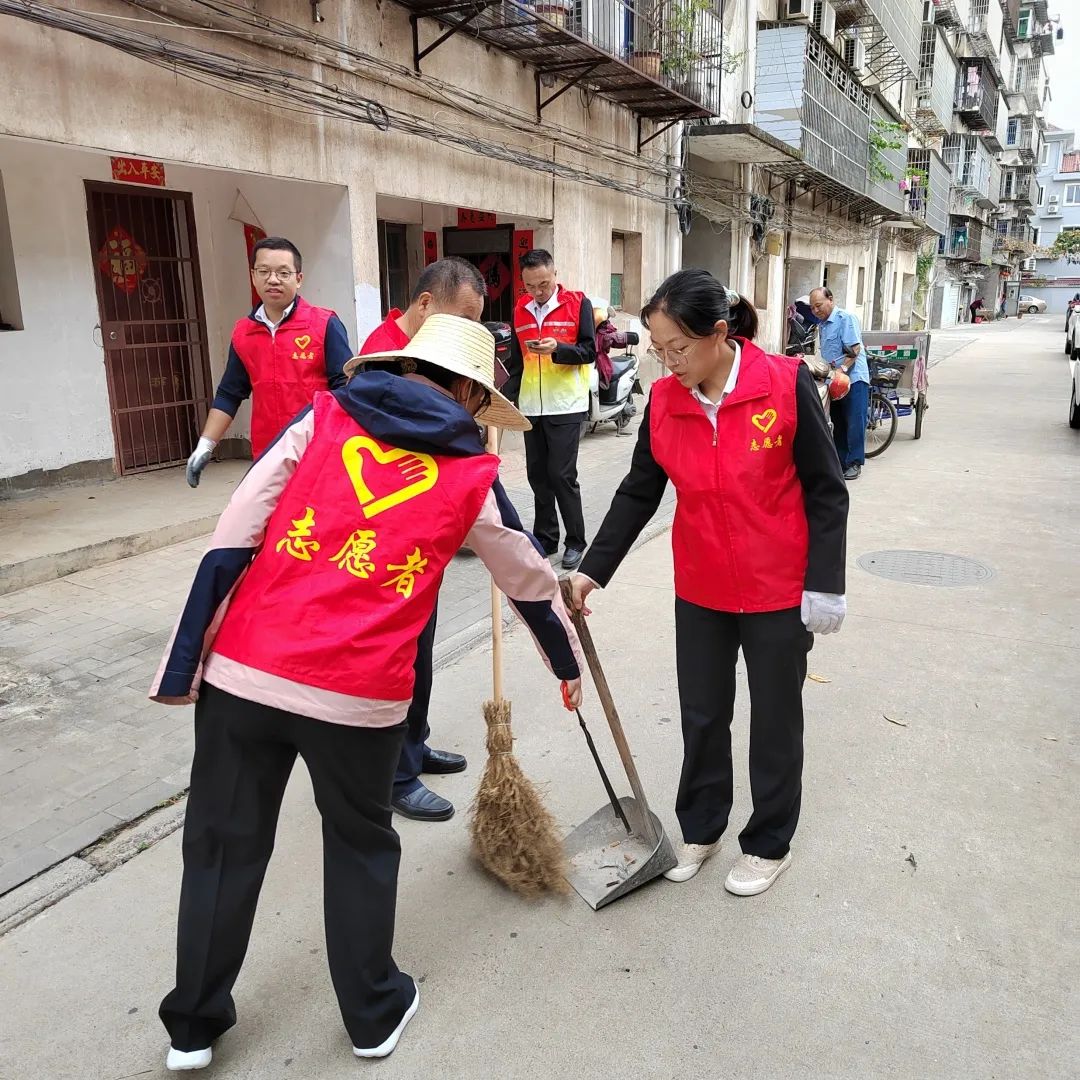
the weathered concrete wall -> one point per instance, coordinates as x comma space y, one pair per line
63, 89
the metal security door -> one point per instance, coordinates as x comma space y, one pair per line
146, 264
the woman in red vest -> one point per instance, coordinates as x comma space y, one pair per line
302, 628
759, 547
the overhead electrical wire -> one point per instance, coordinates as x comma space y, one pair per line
717, 200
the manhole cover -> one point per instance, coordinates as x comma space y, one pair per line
926, 568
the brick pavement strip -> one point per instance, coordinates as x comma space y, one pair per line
83, 751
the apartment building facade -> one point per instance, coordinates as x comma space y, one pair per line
147, 144
1053, 272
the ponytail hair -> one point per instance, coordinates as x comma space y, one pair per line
695, 301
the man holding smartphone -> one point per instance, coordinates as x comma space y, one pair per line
554, 343
842, 347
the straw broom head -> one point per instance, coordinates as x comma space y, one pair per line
513, 835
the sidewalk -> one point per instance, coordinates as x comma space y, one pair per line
82, 750
924, 930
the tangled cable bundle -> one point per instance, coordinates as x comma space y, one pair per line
514, 836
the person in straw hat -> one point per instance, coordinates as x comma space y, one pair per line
299, 637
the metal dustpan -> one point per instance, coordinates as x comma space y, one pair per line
623, 845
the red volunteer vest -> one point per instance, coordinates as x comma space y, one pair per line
740, 537
547, 388
285, 369
354, 553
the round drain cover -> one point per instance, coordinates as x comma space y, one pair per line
926, 568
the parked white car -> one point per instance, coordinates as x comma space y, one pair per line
1074, 391
1032, 305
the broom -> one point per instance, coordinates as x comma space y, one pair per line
514, 837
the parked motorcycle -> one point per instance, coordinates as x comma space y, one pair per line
614, 402
502, 333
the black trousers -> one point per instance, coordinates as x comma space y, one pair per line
417, 729
551, 450
775, 646
244, 753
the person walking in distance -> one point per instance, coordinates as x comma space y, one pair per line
299, 638
553, 345
759, 552
280, 355
841, 347
446, 287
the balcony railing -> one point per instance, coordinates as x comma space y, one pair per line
927, 196
1014, 239
1070, 162
985, 25
933, 98
971, 165
662, 59
977, 96
1018, 188
969, 241
890, 31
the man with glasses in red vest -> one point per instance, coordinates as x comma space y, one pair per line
280, 355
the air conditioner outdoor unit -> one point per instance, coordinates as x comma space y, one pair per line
825, 19
854, 53
1028, 264
798, 10
1053, 210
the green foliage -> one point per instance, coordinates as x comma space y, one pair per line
884, 135
1067, 242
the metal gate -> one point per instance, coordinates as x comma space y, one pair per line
146, 264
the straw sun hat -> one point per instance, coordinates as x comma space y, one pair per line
465, 348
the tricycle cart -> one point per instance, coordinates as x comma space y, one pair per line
906, 352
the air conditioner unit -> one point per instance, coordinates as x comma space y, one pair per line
854, 53
798, 10
1053, 210
1028, 264
824, 21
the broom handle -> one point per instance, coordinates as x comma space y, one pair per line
496, 604
612, 714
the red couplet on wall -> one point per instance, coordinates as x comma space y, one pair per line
252, 235
523, 244
475, 219
431, 248
131, 170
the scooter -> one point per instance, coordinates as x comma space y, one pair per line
614, 403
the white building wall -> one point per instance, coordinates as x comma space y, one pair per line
66, 90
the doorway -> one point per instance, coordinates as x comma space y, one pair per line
146, 266
490, 251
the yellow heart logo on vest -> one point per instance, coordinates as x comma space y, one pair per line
396, 475
764, 421
302, 342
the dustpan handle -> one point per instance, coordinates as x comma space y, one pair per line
608, 703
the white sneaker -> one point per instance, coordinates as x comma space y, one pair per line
691, 856
188, 1060
752, 875
386, 1048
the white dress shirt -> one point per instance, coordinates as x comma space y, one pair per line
711, 408
260, 314
540, 313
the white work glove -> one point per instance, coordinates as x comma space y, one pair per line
823, 612
199, 460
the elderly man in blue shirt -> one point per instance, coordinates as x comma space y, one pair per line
841, 346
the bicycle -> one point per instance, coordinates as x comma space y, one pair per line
881, 414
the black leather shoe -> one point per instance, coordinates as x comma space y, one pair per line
423, 805
572, 558
441, 762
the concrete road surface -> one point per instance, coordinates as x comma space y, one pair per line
927, 927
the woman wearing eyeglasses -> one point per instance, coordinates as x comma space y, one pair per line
759, 548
